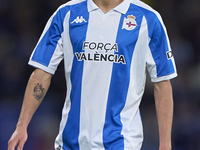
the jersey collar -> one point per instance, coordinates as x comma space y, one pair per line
91, 5
122, 8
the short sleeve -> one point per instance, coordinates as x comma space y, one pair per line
160, 60
49, 51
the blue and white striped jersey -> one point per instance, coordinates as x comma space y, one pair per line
105, 57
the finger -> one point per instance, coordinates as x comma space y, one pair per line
21, 145
12, 144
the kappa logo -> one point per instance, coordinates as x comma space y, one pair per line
129, 23
79, 20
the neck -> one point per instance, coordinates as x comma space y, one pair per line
107, 5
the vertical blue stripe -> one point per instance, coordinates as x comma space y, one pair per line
159, 48
77, 36
158, 44
126, 40
47, 45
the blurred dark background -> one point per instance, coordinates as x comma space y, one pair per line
21, 24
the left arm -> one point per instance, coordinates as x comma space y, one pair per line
164, 109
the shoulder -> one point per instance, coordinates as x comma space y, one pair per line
74, 2
147, 10
152, 17
71, 4
65, 8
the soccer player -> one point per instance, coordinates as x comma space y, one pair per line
106, 46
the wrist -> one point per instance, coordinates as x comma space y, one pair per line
21, 126
165, 146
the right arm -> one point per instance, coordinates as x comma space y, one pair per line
36, 89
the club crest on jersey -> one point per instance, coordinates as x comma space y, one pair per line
129, 23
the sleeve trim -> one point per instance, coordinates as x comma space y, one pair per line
168, 77
42, 67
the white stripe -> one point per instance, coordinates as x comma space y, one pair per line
57, 56
151, 65
130, 115
68, 60
96, 81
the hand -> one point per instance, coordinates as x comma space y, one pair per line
18, 138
